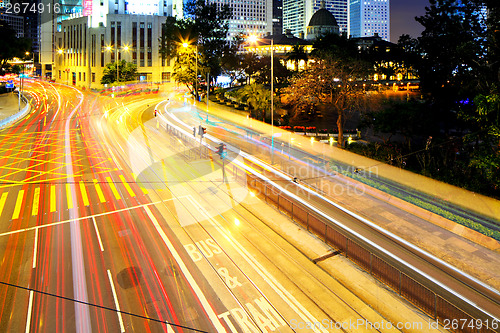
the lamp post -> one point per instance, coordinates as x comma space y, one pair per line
117, 61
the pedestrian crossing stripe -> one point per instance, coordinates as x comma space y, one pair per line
36, 202
2, 201
99, 191
113, 188
19, 202
84, 194
70, 199
127, 186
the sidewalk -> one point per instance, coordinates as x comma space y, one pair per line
447, 241
9, 106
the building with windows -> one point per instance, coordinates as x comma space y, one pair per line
321, 23
76, 44
250, 17
82, 51
16, 22
298, 13
369, 17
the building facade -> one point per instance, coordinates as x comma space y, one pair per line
250, 17
83, 51
16, 22
369, 17
298, 13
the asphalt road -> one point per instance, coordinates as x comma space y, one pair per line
107, 226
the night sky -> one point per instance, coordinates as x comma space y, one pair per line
403, 14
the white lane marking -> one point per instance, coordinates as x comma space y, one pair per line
82, 315
30, 309
268, 277
35, 247
211, 314
98, 234
8, 233
117, 305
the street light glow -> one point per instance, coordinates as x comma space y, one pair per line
253, 38
186, 45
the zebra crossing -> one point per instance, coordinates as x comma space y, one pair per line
59, 196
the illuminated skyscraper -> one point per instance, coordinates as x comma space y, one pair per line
368, 17
298, 13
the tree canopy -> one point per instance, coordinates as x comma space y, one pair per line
205, 28
127, 72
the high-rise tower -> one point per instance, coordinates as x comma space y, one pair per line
297, 14
368, 17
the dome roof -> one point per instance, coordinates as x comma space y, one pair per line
323, 17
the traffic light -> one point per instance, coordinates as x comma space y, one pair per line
202, 131
221, 150
194, 131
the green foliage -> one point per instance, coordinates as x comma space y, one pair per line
127, 72
296, 55
422, 204
330, 79
257, 97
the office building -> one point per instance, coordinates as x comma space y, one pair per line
16, 22
77, 45
369, 17
298, 13
249, 17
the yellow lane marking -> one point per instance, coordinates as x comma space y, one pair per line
84, 194
127, 186
113, 188
99, 191
52, 198
36, 202
144, 190
69, 197
2, 201
19, 202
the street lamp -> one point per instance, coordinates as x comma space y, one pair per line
109, 48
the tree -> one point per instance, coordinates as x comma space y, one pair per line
296, 55
127, 72
458, 62
210, 24
188, 65
257, 97
12, 47
332, 78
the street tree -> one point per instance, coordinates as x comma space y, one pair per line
297, 54
257, 97
127, 72
210, 25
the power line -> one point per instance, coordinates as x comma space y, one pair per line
101, 307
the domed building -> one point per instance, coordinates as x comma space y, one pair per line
321, 23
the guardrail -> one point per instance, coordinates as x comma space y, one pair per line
12, 118
357, 250
422, 297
